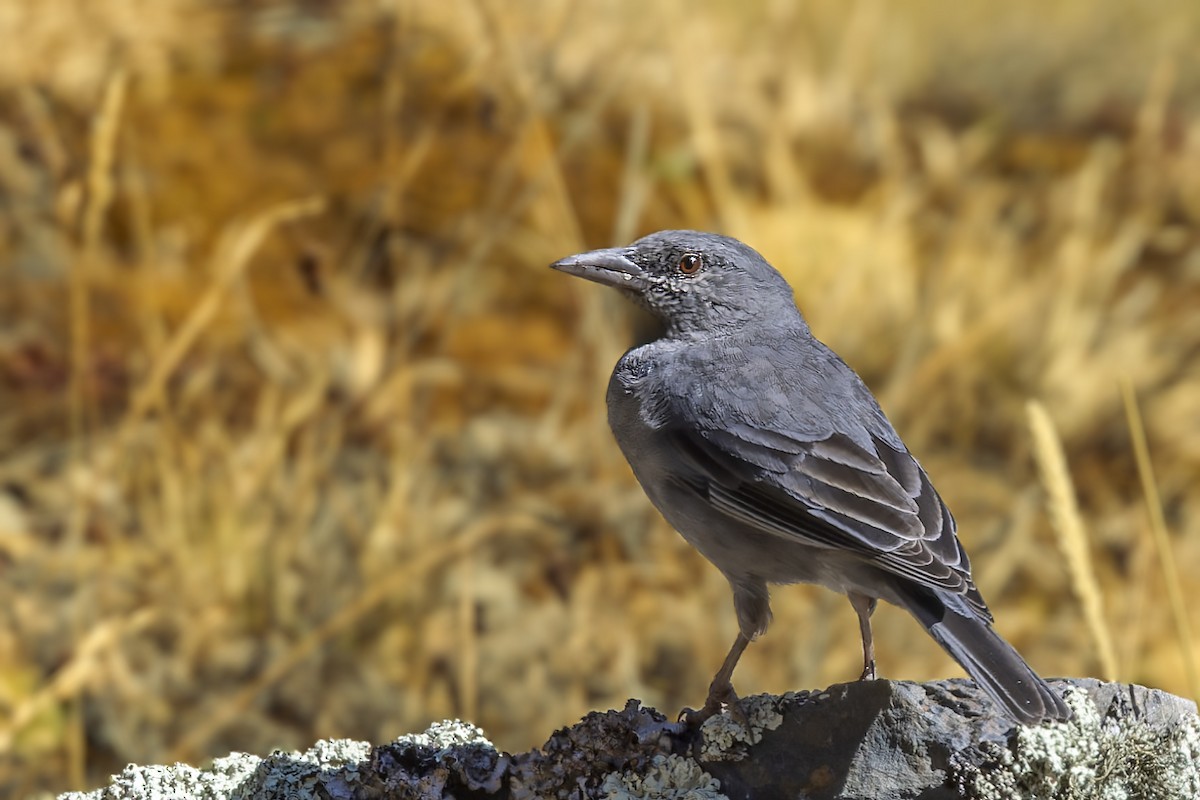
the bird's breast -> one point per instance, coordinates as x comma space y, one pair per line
637, 425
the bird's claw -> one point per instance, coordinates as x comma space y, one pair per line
868, 673
719, 698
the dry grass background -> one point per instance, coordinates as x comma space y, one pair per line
299, 438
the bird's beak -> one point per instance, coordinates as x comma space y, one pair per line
612, 267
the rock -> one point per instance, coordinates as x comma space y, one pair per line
876, 739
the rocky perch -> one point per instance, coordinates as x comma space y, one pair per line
877, 739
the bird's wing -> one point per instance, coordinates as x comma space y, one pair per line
834, 493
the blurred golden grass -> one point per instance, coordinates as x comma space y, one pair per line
1072, 538
1162, 541
299, 439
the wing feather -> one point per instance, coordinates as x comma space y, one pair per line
835, 493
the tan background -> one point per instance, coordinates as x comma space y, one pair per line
299, 438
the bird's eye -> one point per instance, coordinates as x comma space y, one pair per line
690, 264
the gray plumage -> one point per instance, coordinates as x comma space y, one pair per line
772, 458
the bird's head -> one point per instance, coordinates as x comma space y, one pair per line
692, 281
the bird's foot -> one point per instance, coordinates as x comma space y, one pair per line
868, 673
719, 697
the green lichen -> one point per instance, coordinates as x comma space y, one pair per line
157, 782
1091, 757
666, 778
722, 734
446, 734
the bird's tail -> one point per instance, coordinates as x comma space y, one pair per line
992, 662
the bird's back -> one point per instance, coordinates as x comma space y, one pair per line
779, 380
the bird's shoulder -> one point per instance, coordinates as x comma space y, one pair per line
641, 381
778, 380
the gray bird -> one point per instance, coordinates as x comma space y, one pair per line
773, 459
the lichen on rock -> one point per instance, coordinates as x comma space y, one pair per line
666, 778
1095, 755
722, 733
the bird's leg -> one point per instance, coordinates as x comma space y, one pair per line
864, 606
720, 691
